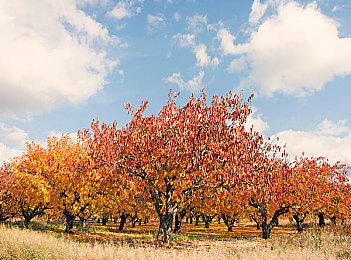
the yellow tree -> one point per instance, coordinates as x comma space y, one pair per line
71, 178
31, 191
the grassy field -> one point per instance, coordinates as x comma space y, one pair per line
46, 241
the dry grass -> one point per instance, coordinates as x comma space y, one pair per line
331, 243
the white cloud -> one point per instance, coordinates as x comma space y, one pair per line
255, 120
200, 50
185, 40
155, 21
321, 142
13, 136
237, 65
327, 127
196, 23
7, 153
126, 9
227, 43
48, 56
257, 11
192, 85
296, 52
202, 57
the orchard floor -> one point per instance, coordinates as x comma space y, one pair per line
47, 241
190, 235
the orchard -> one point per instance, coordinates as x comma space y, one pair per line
198, 160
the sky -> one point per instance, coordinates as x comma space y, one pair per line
64, 63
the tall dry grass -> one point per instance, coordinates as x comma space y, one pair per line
320, 244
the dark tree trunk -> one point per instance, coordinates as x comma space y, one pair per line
171, 208
258, 225
219, 220
177, 224
207, 219
134, 221
191, 220
299, 219
333, 220
29, 214
123, 221
178, 220
197, 218
165, 227
230, 221
69, 221
146, 220
321, 221
267, 227
104, 221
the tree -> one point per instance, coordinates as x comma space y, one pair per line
31, 190
176, 152
267, 178
71, 179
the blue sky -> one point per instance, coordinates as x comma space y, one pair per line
64, 63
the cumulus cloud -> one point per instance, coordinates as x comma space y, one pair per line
13, 136
255, 121
200, 50
295, 51
331, 140
126, 9
192, 85
49, 54
237, 65
196, 23
7, 153
257, 11
155, 21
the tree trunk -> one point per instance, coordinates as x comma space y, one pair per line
134, 221
29, 214
267, 227
177, 224
171, 208
104, 221
69, 221
178, 220
197, 218
258, 225
230, 221
207, 219
26, 222
333, 220
123, 221
299, 221
321, 221
165, 227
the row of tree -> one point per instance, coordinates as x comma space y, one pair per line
194, 160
